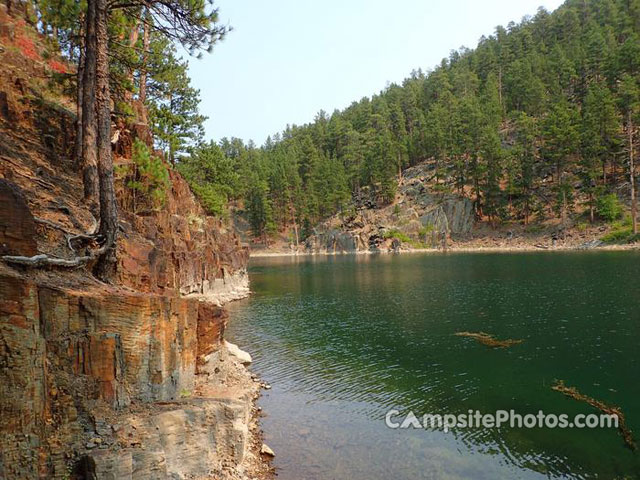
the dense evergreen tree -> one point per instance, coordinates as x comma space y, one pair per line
551, 100
172, 101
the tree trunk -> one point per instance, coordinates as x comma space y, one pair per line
133, 39
634, 206
502, 109
295, 224
89, 119
145, 58
170, 131
559, 180
106, 266
79, 97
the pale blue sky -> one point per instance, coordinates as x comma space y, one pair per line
287, 59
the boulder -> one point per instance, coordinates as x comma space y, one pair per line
235, 351
266, 450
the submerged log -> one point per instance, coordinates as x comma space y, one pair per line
489, 340
573, 392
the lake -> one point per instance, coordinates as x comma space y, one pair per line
344, 339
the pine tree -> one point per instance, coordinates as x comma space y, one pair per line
629, 93
526, 130
599, 138
560, 136
173, 103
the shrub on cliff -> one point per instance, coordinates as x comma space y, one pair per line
147, 178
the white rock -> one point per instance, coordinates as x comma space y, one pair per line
235, 351
266, 450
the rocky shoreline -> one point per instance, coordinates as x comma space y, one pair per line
121, 385
424, 218
451, 249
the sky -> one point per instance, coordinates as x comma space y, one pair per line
285, 60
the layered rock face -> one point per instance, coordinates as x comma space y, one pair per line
179, 250
419, 214
104, 381
116, 381
123, 381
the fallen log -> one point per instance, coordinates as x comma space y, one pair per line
573, 392
489, 340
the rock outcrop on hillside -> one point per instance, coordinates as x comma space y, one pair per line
124, 381
180, 250
418, 214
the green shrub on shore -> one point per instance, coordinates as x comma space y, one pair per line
621, 233
609, 207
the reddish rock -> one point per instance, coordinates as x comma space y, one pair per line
63, 350
212, 321
17, 227
178, 249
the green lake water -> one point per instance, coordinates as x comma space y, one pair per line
344, 339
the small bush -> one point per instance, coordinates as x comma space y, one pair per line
212, 198
397, 234
621, 235
534, 228
427, 229
621, 232
609, 207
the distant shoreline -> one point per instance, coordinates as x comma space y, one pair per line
453, 249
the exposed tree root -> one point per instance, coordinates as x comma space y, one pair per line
43, 260
603, 407
49, 223
70, 237
489, 340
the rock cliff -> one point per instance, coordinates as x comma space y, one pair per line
129, 380
419, 217
120, 384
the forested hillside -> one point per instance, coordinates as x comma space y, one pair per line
551, 101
